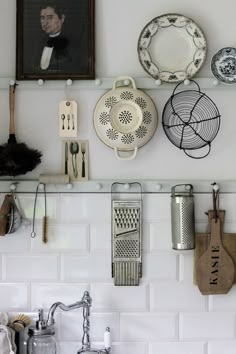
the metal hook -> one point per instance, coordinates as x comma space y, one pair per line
215, 197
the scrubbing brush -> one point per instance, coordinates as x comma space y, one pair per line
20, 322
45, 229
45, 218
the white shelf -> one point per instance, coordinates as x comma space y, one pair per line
105, 83
125, 186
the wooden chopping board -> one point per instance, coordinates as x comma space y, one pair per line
214, 269
202, 242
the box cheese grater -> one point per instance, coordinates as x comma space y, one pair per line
126, 241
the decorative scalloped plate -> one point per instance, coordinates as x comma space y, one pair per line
172, 48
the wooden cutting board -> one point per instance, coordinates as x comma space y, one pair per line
201, 244
214, 269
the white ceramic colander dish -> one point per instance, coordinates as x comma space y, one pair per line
125, 118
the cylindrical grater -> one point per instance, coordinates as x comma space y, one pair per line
127, 241
182, 217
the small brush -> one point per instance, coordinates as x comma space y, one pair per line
45, 218
45, 229
20, 322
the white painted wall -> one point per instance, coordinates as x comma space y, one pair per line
118, 25
166, 314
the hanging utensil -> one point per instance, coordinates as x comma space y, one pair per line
66, 158
4, 214
191, 121
215, 268
15, 219
74, 150
126, 238
83, 151
45, 217
16, 158
125, 118
182, 217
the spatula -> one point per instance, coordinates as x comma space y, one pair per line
215, 268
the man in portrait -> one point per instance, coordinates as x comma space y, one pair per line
58, 41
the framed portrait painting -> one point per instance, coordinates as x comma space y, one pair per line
55, 39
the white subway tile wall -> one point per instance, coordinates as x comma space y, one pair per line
165, 314
220, 347
178, 347
213, 325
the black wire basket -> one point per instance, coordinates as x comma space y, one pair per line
191, 120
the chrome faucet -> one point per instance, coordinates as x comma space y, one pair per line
86, 303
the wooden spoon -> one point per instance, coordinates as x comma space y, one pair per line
215, 268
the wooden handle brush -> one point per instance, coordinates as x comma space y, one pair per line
16, 158
20, 322
45, 219
45, 229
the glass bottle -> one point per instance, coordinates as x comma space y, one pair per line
41, 337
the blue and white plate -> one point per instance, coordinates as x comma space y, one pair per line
223, 65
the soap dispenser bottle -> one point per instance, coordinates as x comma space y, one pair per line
41, 337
